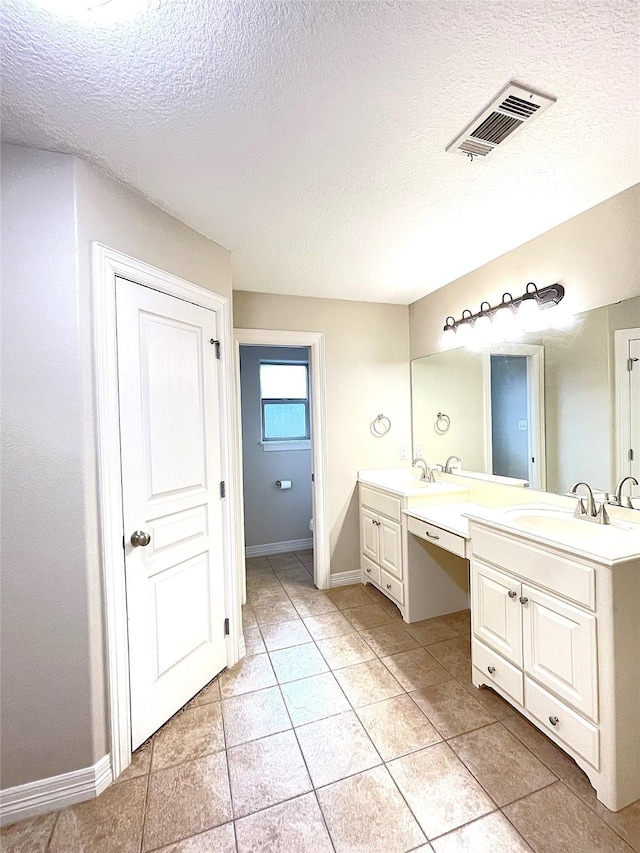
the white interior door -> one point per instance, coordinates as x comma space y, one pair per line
169, 424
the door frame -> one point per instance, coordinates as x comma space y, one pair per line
315, 342
535, 393
622, 384
107, 265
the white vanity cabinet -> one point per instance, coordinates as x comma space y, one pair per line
381, 541
558, 637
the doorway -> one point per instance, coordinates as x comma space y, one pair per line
271, 347
514, 413
627, 383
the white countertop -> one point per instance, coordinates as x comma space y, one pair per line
608, 544
405, 483
449, 517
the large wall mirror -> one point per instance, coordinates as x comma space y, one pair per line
557, 407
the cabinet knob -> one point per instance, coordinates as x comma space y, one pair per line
491, 669
554, 721
388, 586
523, 599
368, 571
512, 593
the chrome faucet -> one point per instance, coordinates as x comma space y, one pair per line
426, 474
618, 497
447, 464
591, 513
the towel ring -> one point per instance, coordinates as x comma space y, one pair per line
442, 424
381, 425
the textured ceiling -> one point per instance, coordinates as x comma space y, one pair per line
308, 137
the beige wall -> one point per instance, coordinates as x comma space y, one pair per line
595, 255
53, 675
367, 369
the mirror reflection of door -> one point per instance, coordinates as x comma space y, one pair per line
514, 412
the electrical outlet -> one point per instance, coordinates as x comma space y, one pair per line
419, 452
404, 452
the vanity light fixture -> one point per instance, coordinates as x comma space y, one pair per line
506, 321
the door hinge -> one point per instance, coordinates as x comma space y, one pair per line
226, 627
124, 544
313, 478
223, 489
630, 363
216, 344
630, 454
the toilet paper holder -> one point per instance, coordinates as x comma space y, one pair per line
284, 484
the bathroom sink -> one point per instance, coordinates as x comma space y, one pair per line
555, 522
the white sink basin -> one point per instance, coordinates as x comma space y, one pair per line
555, 522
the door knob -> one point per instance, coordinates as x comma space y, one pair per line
139, 537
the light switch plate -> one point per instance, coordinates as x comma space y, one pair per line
419, 452
404, 452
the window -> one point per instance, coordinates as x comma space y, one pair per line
284, 397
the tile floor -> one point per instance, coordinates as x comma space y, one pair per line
346, 730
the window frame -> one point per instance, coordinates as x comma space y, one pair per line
293, 442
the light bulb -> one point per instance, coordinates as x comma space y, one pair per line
483, 335
449, 338
504, 325
528, 317
464, 333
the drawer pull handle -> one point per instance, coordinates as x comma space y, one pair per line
368, 571
431, 535
523, 599
554, 721
491, 669
512, 593
388, 586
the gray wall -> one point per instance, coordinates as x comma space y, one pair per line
53, 674
271, 515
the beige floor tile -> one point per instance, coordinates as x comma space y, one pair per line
314, 699
264, 582
460, 622
209, 693
314, 604
489, 699
282, 561
254, 715
251, 673
268, 613
554, 819
328, 625
397, 726
254, 644
503, 766
490, 834
257, 564
140, 763
187, 799
28, 836
335, 748
370, 616
366, 814
290, 827
368, 682
248, 617
350, 596
298, 662
191, 734
389, 639
626, 822
293, 576
266, 772
431, 631
454, 655
221, 839
112, 821
416, 668
267, 597
285, 634
345, 651
451, 709
440, 791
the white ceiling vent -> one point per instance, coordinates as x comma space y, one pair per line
509, 111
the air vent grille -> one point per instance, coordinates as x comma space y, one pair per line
509, 111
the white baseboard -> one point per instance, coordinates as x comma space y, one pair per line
346, 578
278, 547
56, 792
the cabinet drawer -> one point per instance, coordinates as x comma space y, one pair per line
437, 536
388, 505
391, 586
370, 570
496, 670
571, 579
570, 728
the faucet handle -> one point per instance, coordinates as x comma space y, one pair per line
580, 509
602, 516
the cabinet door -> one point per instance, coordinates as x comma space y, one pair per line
369, 534
497, 616
390, 543
560, 649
